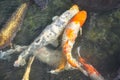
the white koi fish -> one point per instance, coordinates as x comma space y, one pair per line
48, 35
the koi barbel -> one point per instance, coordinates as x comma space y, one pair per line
10, 29
50, 33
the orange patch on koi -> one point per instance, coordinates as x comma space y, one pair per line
90, 69
70, 34
70, 61
66, 47
80, 18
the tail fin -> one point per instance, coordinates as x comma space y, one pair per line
92, 72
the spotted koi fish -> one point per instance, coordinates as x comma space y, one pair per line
10, 29
49, 34
91, 71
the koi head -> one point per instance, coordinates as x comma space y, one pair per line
80, 18
74, 7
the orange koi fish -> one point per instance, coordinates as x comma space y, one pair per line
68, 40
10, 29
92, 72
70, 34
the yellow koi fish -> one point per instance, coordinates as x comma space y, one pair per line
10, 29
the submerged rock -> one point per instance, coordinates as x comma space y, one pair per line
98, 5
41, 3
118, 76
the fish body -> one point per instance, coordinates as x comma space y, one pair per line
49, 55
10, 29
68, 40
70, 34
50, 33
92, 72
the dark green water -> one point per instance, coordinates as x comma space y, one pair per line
99, 44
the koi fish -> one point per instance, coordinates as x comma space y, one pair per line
68, 40
70, 34
49, 34
10, 29
92, 72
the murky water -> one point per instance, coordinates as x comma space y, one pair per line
99, 43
